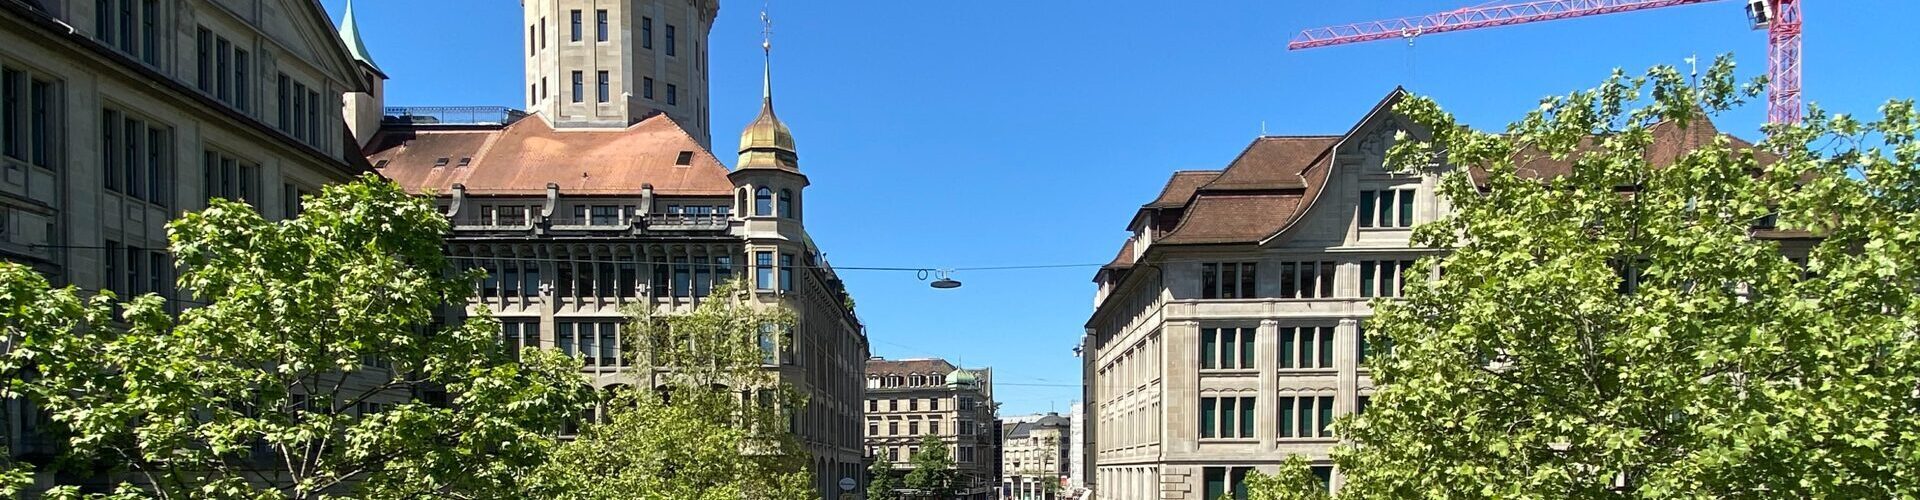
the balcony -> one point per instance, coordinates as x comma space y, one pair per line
687, 222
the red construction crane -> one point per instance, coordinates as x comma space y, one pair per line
1781, 19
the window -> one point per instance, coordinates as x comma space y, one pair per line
111, 279
543, 88
576, 28
1226, 348
203, 43
543, 32
786, 272
242, 81
1306, 280
913, 427
1226, 417
223, 69
532, 45
299, 116
12, 141
1227, 482
966, 454
283, 99
110, 151
673, 95
1229, 280
769, 344
646, 87
646, 32
893, 404
763, 202
604, 90
786, 203
40, 122
1387, 208
579, 86
1384, 278
1306, 347
1366, 348
316, 133
670, 40
893, 429
149, 33
230, 178
763, 269
965, 427
914, 404
873, 427
1305, 416
519, 336
600, 17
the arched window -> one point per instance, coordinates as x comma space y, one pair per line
763, 202
786, 203
741, 206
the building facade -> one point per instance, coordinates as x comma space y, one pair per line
117, 116
575, 218
610, 64
1077, 452
1035, 462
910, 399
1228, 333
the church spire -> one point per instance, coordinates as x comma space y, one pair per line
767, 143
350, 34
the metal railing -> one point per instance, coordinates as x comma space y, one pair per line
688, 221
451, 115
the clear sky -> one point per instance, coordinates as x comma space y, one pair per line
983, 133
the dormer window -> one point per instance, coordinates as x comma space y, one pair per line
441, 162
466, 161
686, 158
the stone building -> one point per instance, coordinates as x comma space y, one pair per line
575, 218
601, 64
1227, 332
910, 399
1034, 464
117, 116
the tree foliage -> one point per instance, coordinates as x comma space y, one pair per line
1536, 366
1294, 481
714, 423
314, 366
882, 484
933, 474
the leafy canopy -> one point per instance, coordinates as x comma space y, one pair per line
933, 473
314, 367
1620, 331
715, 425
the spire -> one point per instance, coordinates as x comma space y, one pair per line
767, 143
766, 52
350, 34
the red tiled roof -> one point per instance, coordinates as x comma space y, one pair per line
908, 366
523, 157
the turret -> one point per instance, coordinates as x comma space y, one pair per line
363, 110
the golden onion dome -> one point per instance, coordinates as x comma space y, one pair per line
767, 142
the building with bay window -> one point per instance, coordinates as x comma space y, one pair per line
576, 218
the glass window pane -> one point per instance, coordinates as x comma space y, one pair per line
1226, 348
1406, 208
1326, 347
1207, 348
1229, 410
1366, 278
1209, 281
1286, 346
1326, 279
1286, 416
1246, 348
1366, 208
1288, 287
1326, 415
1206, 417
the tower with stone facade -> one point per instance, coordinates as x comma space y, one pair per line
612, 63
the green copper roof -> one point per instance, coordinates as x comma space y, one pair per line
350, 33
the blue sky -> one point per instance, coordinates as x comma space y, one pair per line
1021, 132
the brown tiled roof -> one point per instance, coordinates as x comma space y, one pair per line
1181, 186
1124, 259
1670, 143
1273, 163
908, 366
523, 157
1234, 218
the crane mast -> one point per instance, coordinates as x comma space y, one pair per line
1781, 19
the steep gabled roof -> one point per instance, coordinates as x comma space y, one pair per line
523, 157
1181, 187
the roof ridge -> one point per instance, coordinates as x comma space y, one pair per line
683, 133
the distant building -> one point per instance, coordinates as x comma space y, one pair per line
910, 399
1034, 464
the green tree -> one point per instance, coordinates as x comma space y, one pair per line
314, 367
1294, 481
933, 474
717, 424
1619, 331
882, 483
